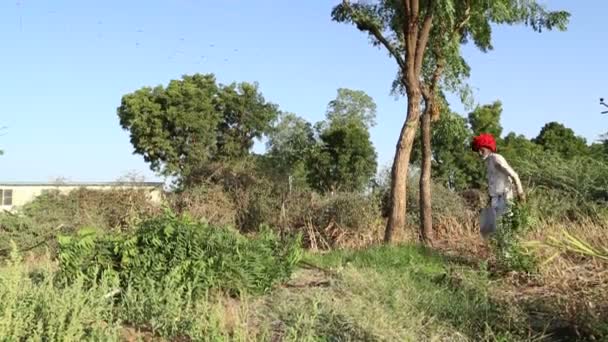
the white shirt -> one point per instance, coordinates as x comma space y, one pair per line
501, 177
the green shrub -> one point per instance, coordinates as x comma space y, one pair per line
202, 256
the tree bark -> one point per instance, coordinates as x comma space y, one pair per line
400, 168
426, 217
416, 40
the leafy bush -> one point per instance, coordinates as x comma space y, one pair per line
199, 255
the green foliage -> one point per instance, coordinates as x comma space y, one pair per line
340, 157
34, 308
507, 244
171, 309
202, 257
387, 286
453, 23
557, 138
514, 147
245, 116
453, 164
486, 119
289, 144
566, 188
352, 105
194, 120
344, 160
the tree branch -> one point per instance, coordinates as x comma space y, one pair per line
374, 31
414, 7
428, 91
378, 35
424, 37
465, 19
408, 8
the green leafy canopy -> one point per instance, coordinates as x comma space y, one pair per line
194, 120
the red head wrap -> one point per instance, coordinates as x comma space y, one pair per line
484, 140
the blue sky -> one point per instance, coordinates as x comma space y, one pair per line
65, 65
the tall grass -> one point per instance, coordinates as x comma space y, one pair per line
33, 308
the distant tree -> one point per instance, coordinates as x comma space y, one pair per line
557, 138
344, 157
486, 119
518, 146
352, 105
289, 144
343, 160
194, 121
599, 149
132, 176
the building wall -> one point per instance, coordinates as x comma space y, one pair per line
23, 194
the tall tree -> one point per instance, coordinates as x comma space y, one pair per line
193, 121
405, 28
557, 138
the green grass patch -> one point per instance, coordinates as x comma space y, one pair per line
420, 293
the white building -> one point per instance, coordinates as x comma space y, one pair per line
16, 194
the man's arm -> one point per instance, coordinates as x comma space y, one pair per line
502, 164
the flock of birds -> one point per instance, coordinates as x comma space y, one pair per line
138, 42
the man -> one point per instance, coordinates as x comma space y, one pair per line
501, 178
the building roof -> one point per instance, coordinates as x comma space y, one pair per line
58, 184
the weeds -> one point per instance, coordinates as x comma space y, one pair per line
195, 255
506, 241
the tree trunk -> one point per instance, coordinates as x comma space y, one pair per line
399, 171
426, 218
